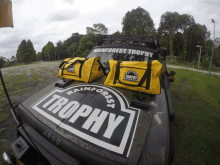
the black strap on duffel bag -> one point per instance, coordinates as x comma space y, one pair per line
77, 61
146, 75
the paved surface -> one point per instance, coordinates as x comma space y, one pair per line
180, 67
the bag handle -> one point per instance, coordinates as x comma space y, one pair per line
117, 72
166, 73
64, 62
101, 66
146, 75
77, 61
81, 62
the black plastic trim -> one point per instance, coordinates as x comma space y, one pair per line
51, 152
167, 92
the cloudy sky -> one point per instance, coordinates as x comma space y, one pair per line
53, 20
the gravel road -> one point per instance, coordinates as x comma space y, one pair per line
180, 67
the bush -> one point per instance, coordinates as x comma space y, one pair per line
8, 63
205, 63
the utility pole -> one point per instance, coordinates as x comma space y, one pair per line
212, 47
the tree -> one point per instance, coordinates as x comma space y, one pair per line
21, 51
31, 50
43, 54
13, 58
195, 36
207, 33
216, 59
178, 43
59, 49
38, 56
98, 28
138, 22
90, 30
74, 39
169, 24
86, 43
185, 21
26, 52
49, 50
117, 33
71, 49
30, 53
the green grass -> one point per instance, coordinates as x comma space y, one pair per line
30, 63
20, 79
35, 75
13, 65
196, 103
19, 65
56, 61
3, 117
51, 71
2, 130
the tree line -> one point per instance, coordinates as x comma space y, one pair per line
179, 33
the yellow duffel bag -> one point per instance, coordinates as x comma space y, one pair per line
81, 69
142, 76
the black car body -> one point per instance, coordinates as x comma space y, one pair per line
78, 123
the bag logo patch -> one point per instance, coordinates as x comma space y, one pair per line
71, 69
131, 76
94, 114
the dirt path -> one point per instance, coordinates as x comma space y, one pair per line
180, 67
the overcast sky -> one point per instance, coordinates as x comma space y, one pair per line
43, 20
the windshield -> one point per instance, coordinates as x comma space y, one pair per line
120, 54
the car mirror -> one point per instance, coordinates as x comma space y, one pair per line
171, 77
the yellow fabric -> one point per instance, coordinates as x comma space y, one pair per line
140, 68
90, 71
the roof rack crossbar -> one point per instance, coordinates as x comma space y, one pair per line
124, 38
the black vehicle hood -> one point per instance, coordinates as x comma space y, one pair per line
110, 122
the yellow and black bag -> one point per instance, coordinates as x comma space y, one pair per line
81, 69
142, 76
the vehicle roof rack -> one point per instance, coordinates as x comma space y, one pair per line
149, 41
